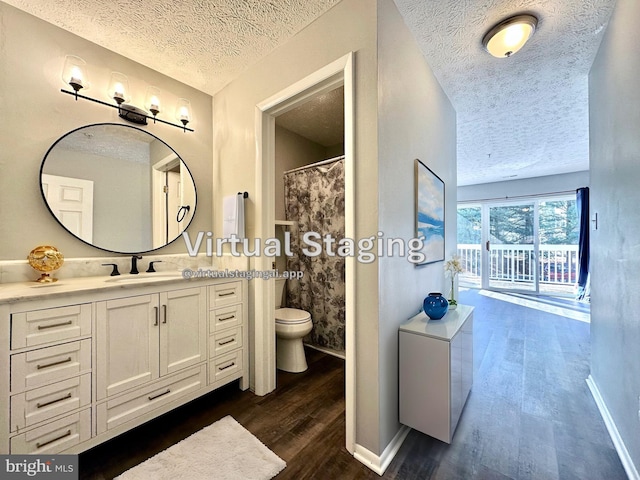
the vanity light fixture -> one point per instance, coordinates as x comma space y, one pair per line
183, 111
152, 101
510, 35
119, 88
74, 74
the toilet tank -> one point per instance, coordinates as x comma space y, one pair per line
279, 293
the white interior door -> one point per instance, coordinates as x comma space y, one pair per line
71, 201
174, 199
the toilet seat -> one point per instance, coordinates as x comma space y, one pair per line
291, 316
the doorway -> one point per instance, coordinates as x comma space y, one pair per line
527, 246
336, 74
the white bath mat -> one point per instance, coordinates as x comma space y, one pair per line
224, 450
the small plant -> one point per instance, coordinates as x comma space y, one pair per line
452, 268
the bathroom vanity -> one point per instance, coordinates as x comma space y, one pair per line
436, 371
86, 359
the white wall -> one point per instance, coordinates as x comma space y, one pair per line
566, 182
35, 114
614, 104
416, 120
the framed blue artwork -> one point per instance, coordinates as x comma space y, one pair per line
430, 213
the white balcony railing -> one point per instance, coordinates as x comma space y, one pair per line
557, 264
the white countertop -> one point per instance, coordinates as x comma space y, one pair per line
444, 329
16, 292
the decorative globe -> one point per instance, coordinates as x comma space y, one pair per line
435, 306
45, 258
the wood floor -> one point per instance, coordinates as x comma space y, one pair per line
529, 416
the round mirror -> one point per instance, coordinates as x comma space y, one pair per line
118, 188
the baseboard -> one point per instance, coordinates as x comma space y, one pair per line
328, 351
623, 453
380, 463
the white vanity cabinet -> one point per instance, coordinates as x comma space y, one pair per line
227, 328
140, 338
87, 359
48, 406
436, 371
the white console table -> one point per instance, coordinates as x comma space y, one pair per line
436, 371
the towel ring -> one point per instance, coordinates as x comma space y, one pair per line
182, 212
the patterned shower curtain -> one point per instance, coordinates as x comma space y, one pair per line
314, 198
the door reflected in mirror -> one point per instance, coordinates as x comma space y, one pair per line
118, 188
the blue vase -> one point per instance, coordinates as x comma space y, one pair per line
435, 306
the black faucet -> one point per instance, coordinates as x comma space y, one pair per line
134, 264
115, 271
151, 269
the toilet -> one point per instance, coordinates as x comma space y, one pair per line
291, 325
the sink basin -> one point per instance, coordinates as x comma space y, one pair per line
144, 277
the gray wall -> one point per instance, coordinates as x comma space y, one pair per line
614, 104
406, 116
35, 114
415, 120
350, 26
566, 182
292, 151
121, 196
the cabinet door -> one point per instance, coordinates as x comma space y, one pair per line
183, 329
127, 345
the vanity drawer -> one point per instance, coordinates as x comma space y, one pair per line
51, 325
54, 437
225, 341
117, 411
48, 365
225, 366
40, 404
225, 294
226, 317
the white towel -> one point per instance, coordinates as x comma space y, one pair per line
233, 216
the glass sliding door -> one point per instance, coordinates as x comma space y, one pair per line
470, 244
559, 231
511, 247
530, 246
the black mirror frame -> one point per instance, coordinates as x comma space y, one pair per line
44, 198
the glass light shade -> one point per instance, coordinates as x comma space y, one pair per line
74, 73
183, 111
509, 36
119, 87
152, 100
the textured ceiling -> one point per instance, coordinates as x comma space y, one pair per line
202, 43
320, 120
520, 117
111, 141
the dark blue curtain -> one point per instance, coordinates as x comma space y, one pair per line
582, 205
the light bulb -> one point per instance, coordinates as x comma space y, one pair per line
118, 88
183, 111
74, 73
152, 100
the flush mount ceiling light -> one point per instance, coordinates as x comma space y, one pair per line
509, 36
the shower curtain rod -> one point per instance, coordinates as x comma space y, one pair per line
317, 164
